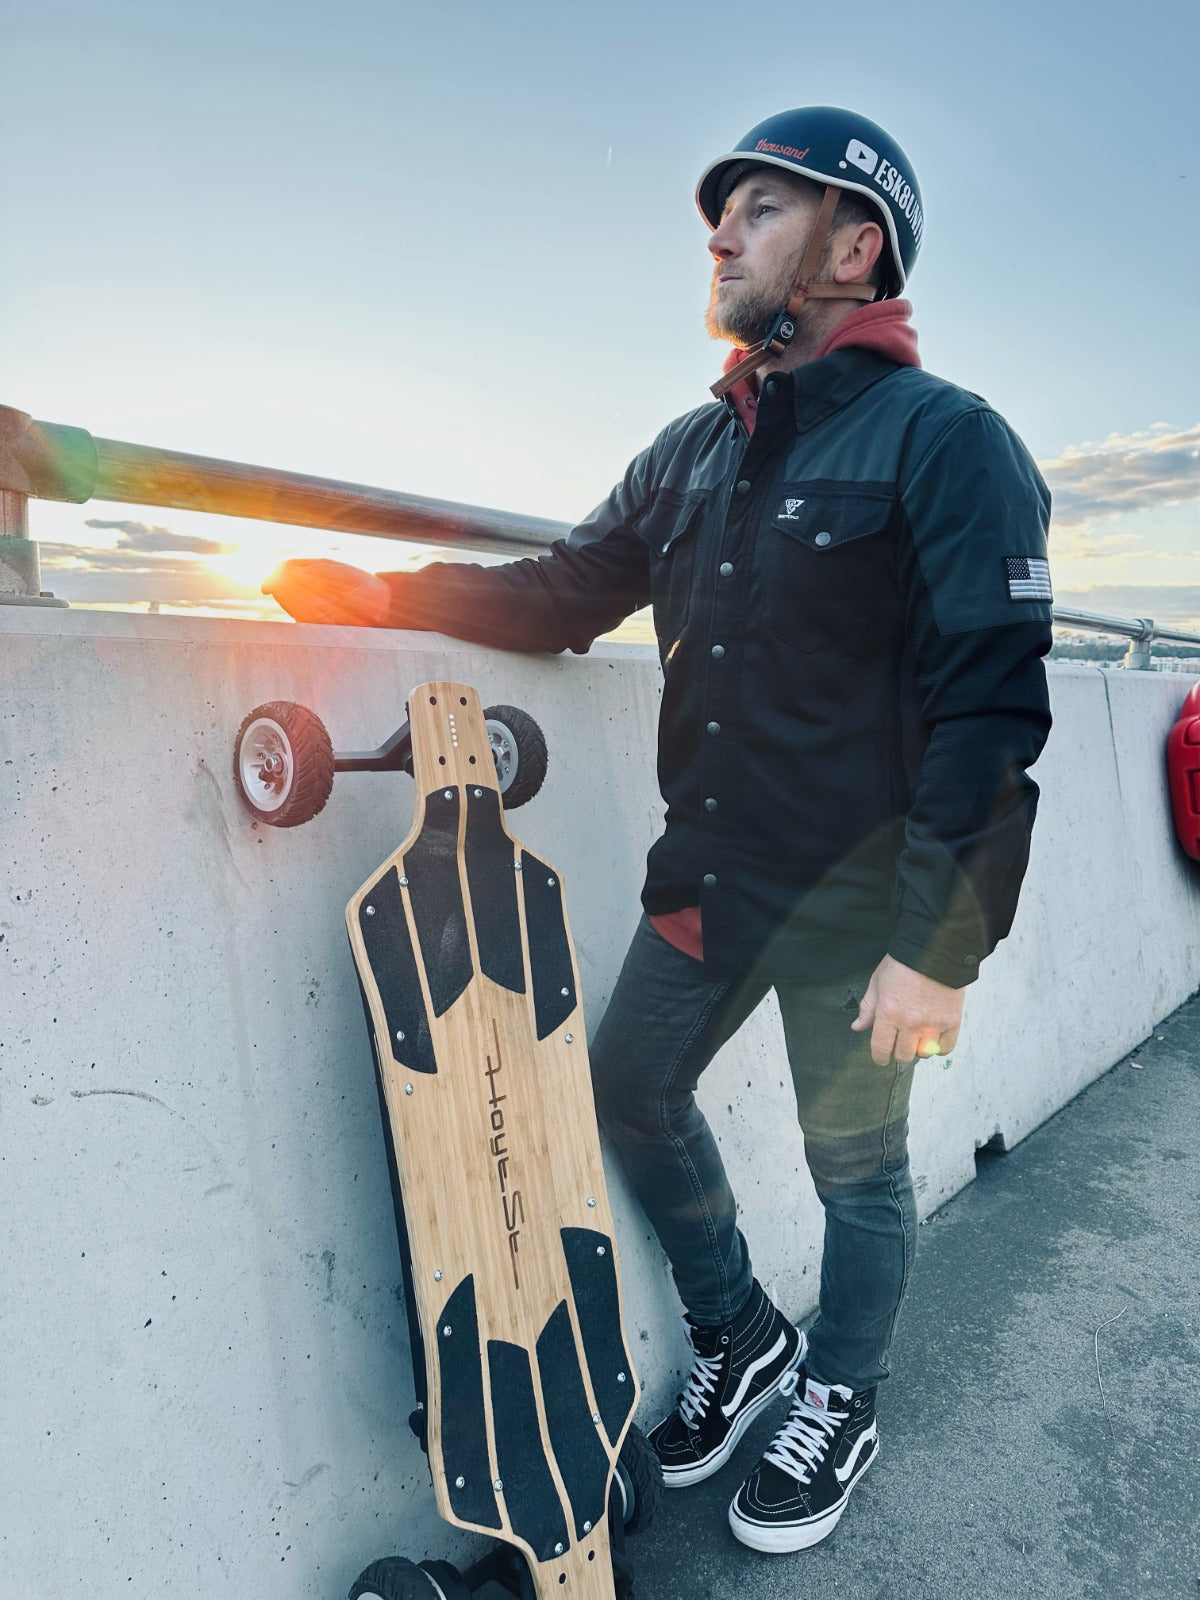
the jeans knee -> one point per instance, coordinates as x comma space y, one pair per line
637, 1111
856, 1161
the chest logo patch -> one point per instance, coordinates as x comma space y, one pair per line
1028, 578
788, 514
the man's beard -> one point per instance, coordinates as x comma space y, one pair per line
745, 315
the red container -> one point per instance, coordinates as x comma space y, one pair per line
1183, 773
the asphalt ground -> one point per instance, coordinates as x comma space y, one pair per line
1041, 1431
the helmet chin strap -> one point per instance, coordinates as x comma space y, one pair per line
783, 330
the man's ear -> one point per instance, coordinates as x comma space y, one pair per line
856, 249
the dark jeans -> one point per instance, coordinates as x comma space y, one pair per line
663, 1026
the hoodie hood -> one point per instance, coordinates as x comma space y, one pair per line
884, 325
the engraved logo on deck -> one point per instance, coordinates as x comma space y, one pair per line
511, 1200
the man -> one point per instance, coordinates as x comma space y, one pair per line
846, 558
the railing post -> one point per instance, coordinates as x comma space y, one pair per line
21, 475
20, 564
1137, 656
20, 567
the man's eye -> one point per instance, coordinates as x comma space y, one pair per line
764, 207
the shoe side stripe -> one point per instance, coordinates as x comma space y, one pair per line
730, 1407
846, 1470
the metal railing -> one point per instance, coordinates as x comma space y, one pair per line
49, 461
1140, 631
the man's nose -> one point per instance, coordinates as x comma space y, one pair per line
723, 241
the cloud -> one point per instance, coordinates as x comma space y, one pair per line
151, 540
121, 577
84, 558
1123, 474
1076, 542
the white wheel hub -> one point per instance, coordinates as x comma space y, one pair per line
266, 768
504, 753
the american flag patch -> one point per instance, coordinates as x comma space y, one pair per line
1028, 578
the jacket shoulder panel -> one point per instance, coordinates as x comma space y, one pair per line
979, 513
682, 460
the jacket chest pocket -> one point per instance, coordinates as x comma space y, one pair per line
828, 576
670, 529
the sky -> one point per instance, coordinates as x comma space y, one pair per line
452, 249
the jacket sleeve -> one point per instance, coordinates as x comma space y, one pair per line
585, 585
979, 625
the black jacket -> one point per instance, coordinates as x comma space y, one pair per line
854, 688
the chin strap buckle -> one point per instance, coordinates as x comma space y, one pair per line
781, 333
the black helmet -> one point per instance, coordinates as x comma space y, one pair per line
836, 147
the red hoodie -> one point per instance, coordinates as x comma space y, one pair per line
885, 326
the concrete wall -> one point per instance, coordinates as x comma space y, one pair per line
206, 1378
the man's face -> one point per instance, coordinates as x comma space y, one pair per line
757, 249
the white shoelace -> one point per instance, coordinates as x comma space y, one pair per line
698, 1391
800, 1445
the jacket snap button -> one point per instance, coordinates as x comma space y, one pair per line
823, 539
970, 961
710, 880
718, 650
770, 386
726, 568
714, 727
743, 486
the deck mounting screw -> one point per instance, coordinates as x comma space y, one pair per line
479, 794
599, 1249
558, 1549
570, 1038
460, 1483
447, 794
591, 1199
620, 1377
370, 911
596, 1418
446, 1330
399, 1035
404, 883
497, 1484
437, 1275
408, 1088
549, 883
516, 866
587, 1527
564, 990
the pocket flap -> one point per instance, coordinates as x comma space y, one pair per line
825, 521
669, 518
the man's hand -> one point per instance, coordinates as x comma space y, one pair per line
908, 1014
330, 591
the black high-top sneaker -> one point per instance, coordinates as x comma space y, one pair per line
737, 1371
799, 1489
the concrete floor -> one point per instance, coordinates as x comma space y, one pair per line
1005, 1471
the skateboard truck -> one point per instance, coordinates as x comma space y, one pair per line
284, 761
524, 1386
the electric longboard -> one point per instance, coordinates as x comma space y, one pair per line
471, 990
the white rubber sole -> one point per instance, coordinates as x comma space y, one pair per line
784, 1538
684, 1477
